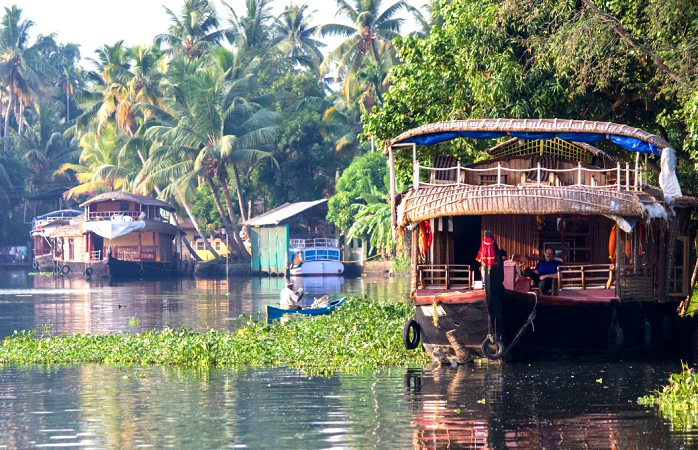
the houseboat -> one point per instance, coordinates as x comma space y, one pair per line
315, 257
624, 244
42, 226
119, 236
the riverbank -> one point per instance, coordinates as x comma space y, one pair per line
361, 335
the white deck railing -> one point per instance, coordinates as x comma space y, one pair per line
626, 178
122, 216
317, 242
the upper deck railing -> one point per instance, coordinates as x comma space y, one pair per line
122, 216
621, 178
316, 242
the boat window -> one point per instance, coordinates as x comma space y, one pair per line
310, 255
334, 255
322, 254
678, 283
123, 206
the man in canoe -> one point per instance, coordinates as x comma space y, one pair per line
291, 299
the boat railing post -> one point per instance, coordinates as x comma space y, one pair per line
618, 180
458, 174
538, 175
447, 275
415, 175
627, 176
579, 173
637, 169
499, 173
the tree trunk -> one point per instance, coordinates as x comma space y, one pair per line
231, 228
67, 108
7, 120
237, 188
236, 235
20, 121
198, 229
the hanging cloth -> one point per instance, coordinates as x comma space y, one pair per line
486, 255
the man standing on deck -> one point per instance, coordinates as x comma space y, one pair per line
290, 299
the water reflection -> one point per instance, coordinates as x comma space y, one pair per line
548, 405
74, 305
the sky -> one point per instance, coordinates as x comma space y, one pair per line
93, 23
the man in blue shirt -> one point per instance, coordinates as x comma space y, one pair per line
546, 270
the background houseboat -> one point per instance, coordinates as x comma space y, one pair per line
315, 257
625, 245
42, 226
120, 235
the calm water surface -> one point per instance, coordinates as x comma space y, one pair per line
560, 404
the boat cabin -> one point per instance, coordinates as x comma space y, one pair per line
618, 237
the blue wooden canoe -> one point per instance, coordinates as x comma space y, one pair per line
275, 313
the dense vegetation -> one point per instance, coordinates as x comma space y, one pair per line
678, 400
361, 335
222, 112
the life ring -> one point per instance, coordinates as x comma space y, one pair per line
65, 270
35, 264
88, 272
616, 338
411, 334
493, 348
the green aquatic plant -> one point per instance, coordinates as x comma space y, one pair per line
678, 400
46, 328
360, 335
134, 321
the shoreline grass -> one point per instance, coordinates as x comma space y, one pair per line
678, 400
361, 335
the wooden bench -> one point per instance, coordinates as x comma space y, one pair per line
584, 276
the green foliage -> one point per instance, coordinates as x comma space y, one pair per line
363, 174
205, 210
361, 335
401, 263
678, 400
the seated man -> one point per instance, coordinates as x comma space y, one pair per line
545, 271
290, 299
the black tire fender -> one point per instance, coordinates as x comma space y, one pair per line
65, 270
493, 348
35, 264
89, 272
616, 338
411, 341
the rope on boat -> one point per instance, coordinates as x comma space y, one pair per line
530, 319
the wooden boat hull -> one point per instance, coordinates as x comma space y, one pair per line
117, 269
562, 325
274, 313
43, 263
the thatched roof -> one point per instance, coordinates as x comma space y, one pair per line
460, 200
125, 197
507, 126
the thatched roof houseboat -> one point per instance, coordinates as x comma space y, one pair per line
619, 248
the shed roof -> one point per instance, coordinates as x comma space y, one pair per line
283, 212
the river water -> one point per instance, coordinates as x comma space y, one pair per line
555, 404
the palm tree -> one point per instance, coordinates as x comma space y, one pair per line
44, 146
373, 219
20, 64
425, 23
295, 37
367, 39
100, 169
194, 30
251, 31
211, 126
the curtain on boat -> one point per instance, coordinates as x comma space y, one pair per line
110, 230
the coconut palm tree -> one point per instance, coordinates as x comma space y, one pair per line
367, 39
294, 36
99, 169
194, 30
211, 126
20, 64
253, 30
425, 22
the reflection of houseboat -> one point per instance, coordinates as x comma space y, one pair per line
42, 226
120, 236
315, 256
625, 245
